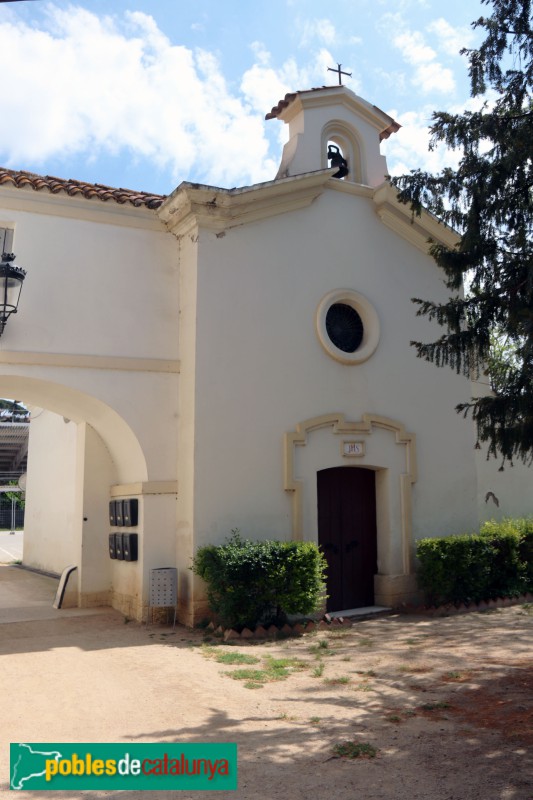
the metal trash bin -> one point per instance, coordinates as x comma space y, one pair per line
163, 589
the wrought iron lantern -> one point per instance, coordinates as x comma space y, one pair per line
11, 280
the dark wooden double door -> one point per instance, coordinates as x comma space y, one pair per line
347, 534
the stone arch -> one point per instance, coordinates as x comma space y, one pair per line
78, 406
73, 472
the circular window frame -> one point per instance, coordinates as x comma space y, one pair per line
369, 318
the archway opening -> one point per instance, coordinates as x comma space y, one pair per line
78, 450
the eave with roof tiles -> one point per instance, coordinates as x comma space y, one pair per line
29, 180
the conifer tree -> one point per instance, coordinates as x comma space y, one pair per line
488, 200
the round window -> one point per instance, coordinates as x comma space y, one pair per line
344, 327
347, 326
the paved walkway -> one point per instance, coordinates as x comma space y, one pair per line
86, 676
11, 546
27, 596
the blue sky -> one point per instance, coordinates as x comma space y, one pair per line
144, 94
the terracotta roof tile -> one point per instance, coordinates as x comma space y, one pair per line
393, 127
22, 180
287, 100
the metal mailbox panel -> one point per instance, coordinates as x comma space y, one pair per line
130, 547
130, 512
112, 545
119, 514
119, 546
112, 513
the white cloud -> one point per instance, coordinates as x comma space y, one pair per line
263, 84
428, 74
413, 47
321, 30
450, 39
433, 77
85, 85
409, 148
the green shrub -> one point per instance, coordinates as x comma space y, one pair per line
251, 582
496, 562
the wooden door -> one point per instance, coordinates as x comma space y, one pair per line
347, 534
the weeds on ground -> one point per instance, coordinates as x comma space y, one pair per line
341, 681
319, 647
273, 669
414, 668
400, 715
235, 658
437, 706
355, 750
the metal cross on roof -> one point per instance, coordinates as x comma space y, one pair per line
339, 72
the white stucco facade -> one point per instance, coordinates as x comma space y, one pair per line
186, 346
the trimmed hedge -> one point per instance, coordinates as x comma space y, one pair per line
496, 562
261, 582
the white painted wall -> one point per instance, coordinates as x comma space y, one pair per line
53, 523
99, 277
260, 363
102, 283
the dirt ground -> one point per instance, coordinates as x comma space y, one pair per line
446, 703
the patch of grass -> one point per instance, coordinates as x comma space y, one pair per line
355, 750
346, 658
414, 668
235, 658
526, 608
284, 663
362, 687
400, 715
365, 641
274, 669
341, 681
317, 648
318, 671
256, 675
437, 706
453, 675
314, 720
369, 672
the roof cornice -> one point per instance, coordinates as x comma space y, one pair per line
420, 231
219, 209
293, 103
74, 188
62, 205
